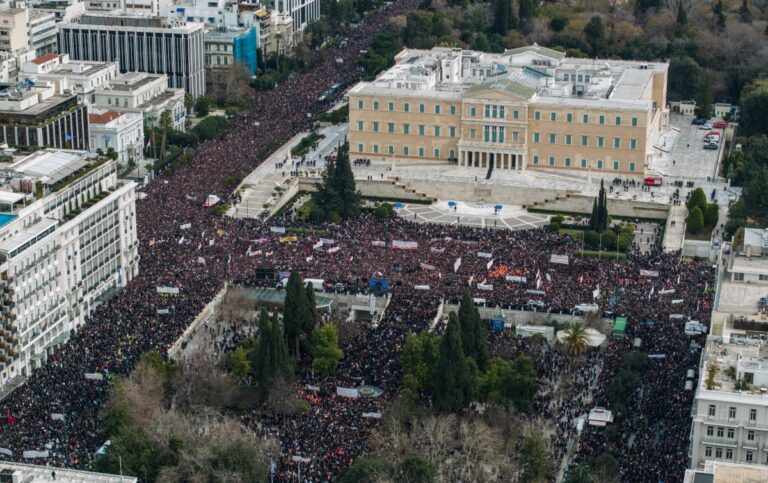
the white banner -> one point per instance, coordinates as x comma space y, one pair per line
200, 261
421, 287
253, 254
666, 291
346, 392
317, 245
649, 273
404, 245
57, 417
277, 229
372, 415
489, 265
95, 376
328, 241
456, 265
185, 226
676, 316
312, 388
334, 249
535, 292
168, 290
378, 243
596, 292
486, 287
587, 307
35, 454
678, 301
515, 278
163, 311
561, 259
437, 250
6, 452
484, 254
425, 266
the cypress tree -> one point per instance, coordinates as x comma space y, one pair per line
453, 384
296, 313
349, 197
282, 361
312, 306
593, 218
474, 336
263, 367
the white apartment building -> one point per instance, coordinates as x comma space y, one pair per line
10, 64
62, 10
723, 472
147, 94
121, 131
730, 410
67, 241
70, 77
140, 44
14, 33
301, 11
745, 278
43, 32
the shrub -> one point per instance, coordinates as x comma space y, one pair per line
609, 240
317, 215
698, 198
695, 220
559, 219
553, 227
591, 239
334, 217
381, 212
711, 215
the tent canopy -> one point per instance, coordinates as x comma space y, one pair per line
620, 326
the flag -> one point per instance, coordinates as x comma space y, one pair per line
549, 279
436, 250
211, 242
456, 265
489, 265
404, 245
596, 292
309, 258
425, 266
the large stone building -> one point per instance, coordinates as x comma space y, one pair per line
14, 32
69, 77
527, 107
140, 44
67, 240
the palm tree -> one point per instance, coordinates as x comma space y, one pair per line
151, 127
575, 340
165, 123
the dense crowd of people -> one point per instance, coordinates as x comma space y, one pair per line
435, 263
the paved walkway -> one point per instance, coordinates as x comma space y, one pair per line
473, 214
674, 234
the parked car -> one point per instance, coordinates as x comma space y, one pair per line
720, 124
705, 127
716, 245
712, 146
699, 121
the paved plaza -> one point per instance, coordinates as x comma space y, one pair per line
682, 154
473, 214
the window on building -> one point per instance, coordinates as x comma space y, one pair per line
360, 125
375, 149
391, 106
437, 108
708, 452
553, 116
599, 164
360, 104
390, 127
406, 129
437, 131
569, 117
552, 138
473, 111
391, 149
487, 111
502, 114
360, 148
618, 120
406, 107
632, 167
585, 140
421, 129
473, 133
568, 139
421, 108
728, 453
600, 142
536, 137
567, 162
731, 412
731, 433
763, 278
617, 143
551, 160
535, 159
453, 109
375, 105
537, 116
749, 457
452, 131
515, 136
375, 126
515, 114
633, 144
750, 435
601, 120
710, 430
585, 118
753, 414
421, 152
437, 152
720, 432
616, 165
719, 453
405, 150
634, 122
583, 163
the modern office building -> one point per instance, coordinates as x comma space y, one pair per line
744, 288
730, 410
67, 242
530, 107
140, 44
35, 116
302, 12
14, 32
69, 77
43, 32
147, 94
121, 131
234, 46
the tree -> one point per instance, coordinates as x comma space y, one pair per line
271, 355
365, 470
704, 97
165, 124
326, 354
509, 383
238, 363
211, 127
528, 9
621, 387
416, 469
698, 198
598, 221
594, 33
605, 468
744, 14
695, 221
754, 112
297, 317
718, 11
711, 215
474, 336
337, 192
203, 106
503, 16
684, 74
755, 196
189, 102
592, 238
419, 360
534, 458
453, 386
575, 341
682, 14
312, 302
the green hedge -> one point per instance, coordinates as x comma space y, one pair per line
603, 254
396, 200
613, 217
305, 143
